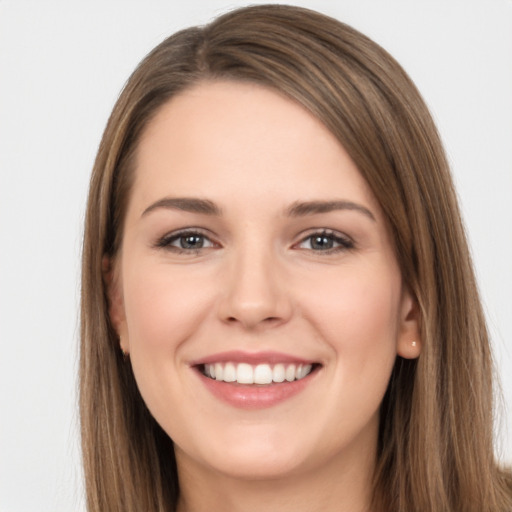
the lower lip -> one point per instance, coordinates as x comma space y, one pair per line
254, 396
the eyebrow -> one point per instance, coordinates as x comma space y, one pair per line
301, 209
186, 204
296, 209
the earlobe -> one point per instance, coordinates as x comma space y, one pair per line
409, 349
409, 339
115, 301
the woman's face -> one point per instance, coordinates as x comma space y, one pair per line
254, 251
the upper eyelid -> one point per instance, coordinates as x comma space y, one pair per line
186, 231
324, 231
174, 235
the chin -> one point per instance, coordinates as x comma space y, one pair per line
260, 466
249, 455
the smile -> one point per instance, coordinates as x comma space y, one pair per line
244, 373
255, 380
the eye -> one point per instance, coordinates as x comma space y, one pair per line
189, 241
326, 241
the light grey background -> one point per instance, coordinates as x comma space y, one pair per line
62, 65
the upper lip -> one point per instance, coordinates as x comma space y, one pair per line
253, 358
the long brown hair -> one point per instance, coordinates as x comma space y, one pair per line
435, 449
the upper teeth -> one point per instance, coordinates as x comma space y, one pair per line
244, 373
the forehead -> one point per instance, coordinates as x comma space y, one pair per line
221, 137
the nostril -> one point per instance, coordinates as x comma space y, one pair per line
266, 319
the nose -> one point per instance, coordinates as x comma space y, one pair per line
256, 294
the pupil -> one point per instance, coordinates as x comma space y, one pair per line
191, 242
321, 242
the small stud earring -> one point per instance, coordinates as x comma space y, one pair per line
413, 343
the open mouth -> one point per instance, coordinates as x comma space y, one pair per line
260, 374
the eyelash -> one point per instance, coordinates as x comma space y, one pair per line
166, 241
344, 243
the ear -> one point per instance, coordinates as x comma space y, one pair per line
115, 302
409, 343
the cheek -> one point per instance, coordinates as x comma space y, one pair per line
163, 311
163, 308
358, 317
357, 311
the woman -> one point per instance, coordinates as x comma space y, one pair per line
278, 305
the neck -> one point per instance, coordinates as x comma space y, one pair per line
339, 485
